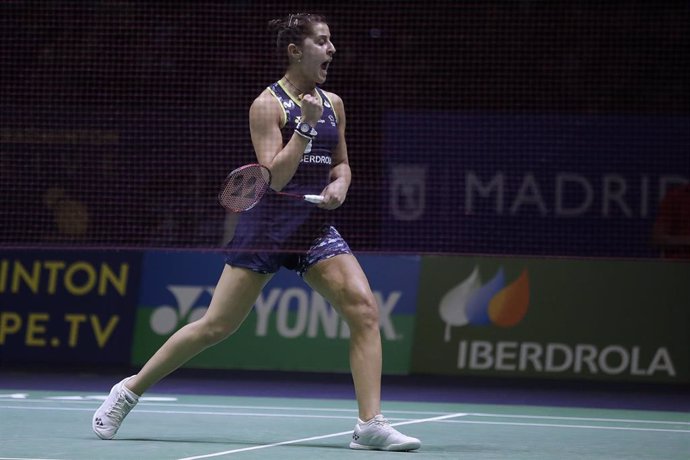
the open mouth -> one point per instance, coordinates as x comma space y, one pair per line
324, 65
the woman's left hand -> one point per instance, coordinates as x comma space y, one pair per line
334, 195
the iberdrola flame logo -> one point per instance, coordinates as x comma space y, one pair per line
472, 302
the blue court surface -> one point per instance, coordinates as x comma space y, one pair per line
252, 415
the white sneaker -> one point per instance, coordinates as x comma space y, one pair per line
114, 409
378, 434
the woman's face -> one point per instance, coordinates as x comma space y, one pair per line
317, 53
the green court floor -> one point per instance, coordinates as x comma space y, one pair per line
57, 425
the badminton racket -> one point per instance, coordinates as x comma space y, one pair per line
244, 187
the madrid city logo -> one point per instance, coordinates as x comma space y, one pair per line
166, 318
472, 302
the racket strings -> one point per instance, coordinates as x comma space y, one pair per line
244, 187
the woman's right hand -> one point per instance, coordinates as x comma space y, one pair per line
312, 109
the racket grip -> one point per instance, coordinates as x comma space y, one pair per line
316, 199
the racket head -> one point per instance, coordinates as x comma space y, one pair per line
244, 187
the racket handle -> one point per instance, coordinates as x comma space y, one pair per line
316, 199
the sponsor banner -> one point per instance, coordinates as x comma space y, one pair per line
291, 327
71, 307
502, 184
588, 319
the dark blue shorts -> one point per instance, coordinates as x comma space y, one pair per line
327, 244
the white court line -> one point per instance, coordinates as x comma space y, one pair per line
350, 411
25, 458
314, 438
556, 425
46, 408
442, 418
582, 419
141, 409
225, 406
182, 412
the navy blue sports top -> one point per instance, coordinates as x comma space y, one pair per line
283, 223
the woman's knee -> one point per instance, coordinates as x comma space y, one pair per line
362, 311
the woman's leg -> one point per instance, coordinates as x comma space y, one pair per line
342, 282
232, 300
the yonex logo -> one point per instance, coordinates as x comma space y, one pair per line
297, 312
471, 302
166, 318
312, 314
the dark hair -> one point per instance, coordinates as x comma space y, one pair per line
293, 28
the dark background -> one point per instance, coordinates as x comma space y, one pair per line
120, 119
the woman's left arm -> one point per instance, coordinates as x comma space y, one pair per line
336, 191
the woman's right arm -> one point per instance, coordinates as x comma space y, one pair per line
264, 124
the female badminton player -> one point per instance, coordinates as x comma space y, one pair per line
298, 133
